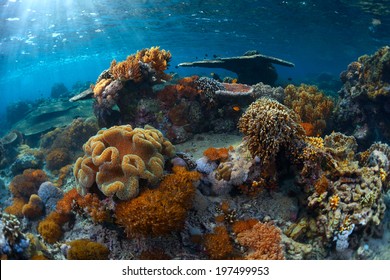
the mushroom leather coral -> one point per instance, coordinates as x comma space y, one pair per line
116, 158
159, 211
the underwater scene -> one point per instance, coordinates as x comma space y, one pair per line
195, 130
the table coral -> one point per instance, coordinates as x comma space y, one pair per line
310, 104
117, 158
270, 127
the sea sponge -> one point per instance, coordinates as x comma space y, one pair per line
269, 127
312, 106
159, 211
84, 249
116, 158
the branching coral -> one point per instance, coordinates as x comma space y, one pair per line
311, 105
115, 159
270, 127
162, 210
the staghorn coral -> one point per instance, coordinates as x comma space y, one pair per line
270, 127
84, 249
162, 210
312, 106
116, 158
13, 243
263, 241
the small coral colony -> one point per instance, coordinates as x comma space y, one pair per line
308, 180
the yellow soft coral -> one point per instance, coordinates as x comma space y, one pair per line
116, 158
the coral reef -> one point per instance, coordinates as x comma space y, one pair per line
364, 99
13, 243
117, 158
83, 249
270, 127
312, 106
263, 241
217, 244
159, 211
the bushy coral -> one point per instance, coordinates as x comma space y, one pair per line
57, 158
263, 241
270, 127
159, 211
217, 154
137, 67
50, 231
117, 158
312, 106
84, 249
34, 208
217, 244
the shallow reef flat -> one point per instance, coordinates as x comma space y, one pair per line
163, 167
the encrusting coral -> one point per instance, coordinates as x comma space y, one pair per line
117, 158
159, 211
313, 107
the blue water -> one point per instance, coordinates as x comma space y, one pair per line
48, 41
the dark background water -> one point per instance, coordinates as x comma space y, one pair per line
49, 41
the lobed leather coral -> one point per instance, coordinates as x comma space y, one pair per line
138, 67
159, 211
270, 126
313, 107
117, 158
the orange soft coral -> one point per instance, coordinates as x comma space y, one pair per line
311, 105
118, 157
220, 154
28, 183
162, 210
263, 241
217, 244
57, 158
131, 68
50, 231
84, 249
34, 208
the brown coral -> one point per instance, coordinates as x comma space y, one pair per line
269, 127
84, 249
162, 210
311, 105
57, 158
34, 208
116, 158
218, 245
